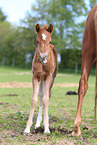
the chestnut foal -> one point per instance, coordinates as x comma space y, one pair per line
44, 68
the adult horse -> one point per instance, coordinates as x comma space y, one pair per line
89, 56
44, 68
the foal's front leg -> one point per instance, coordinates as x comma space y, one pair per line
39, 118
33, 104
46, 86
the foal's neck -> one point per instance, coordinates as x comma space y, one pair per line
44, 57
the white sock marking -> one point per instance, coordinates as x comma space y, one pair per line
39, 118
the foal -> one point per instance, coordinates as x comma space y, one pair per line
44, 68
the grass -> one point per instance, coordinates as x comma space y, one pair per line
14, 111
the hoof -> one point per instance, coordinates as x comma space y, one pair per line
37, 125
26, 131
75, 134
47, 131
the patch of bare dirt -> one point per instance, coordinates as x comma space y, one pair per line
66, 85
29, 85
15, 84
67, 75
18, 73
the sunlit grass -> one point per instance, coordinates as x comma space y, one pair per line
14, 111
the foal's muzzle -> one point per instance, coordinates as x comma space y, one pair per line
43, 58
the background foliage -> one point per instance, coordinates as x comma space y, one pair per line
18, 43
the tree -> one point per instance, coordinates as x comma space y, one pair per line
92, 3
63, 15
2, 16
5, 29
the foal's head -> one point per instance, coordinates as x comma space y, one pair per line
43, 40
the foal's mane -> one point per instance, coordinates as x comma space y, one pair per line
44, 27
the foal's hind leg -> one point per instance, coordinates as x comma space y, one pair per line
52, 82
83, 86
34, 100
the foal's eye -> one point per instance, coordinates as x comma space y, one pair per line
37, 42
50, 42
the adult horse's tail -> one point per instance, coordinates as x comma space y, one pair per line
95, 20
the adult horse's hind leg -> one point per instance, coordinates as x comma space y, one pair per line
87, 63
34, 100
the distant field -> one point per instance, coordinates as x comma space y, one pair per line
15, 106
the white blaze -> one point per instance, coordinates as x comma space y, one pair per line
44, 36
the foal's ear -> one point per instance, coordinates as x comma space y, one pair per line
50, 28
37, 28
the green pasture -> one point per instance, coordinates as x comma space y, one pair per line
15, 108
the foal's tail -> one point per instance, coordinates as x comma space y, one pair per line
95, 108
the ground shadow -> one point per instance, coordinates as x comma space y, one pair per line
52, 130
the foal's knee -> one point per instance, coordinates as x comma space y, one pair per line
34, 102
45, 102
